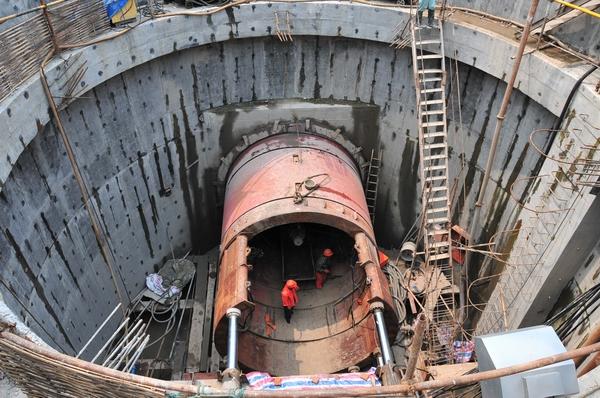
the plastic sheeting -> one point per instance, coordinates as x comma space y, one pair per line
114, 6
264, 381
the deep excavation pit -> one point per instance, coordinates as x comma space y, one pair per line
235, 149
149, 144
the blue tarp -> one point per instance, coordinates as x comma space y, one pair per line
114, 6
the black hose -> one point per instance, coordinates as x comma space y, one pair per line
559, 122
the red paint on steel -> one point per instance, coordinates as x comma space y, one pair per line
268, 171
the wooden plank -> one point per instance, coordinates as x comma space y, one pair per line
210, 298
197, 325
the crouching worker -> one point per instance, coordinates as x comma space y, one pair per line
323, 267
289, 298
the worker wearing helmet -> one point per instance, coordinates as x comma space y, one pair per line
323, 267
289, 298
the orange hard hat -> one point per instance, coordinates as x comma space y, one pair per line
328, 252
291, 284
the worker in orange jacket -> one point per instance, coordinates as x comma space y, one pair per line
323, 267
289, 298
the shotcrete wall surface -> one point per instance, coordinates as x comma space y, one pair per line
161, 104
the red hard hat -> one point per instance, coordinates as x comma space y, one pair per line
291, 284
328, 252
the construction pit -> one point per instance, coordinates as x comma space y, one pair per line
220, 149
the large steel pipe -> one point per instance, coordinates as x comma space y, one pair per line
281, 193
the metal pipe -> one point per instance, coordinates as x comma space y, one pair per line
232, 340
98, 331
121, 326
415, 346
576, 7
187, 297
136, 355
121, 343
384, 342
501, 115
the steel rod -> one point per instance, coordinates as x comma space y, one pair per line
121, 343
121, 326
232, 340
129, 365
384, 342
98, 331
502, 113
187, 297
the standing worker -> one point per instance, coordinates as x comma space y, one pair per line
289, 298
430, 6
323, 267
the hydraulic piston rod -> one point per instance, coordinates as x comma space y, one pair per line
232, 341
384, 342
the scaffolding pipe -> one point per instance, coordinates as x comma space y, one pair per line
232, 341
415, 346
136, 355
500, 117
121, 326
98, 331
384, 342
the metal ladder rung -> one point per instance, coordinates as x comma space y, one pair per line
437, 220
432, 102
438, 210
434, 157
438, 232
436, 245
442, 256
436, 178
429, 56
432, 90
430, 71
431, 79
434, 146
438, 199
432, 112
437, 189
434, 124
435, 134
432, 41
435, 168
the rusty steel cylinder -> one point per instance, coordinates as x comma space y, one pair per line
299, 179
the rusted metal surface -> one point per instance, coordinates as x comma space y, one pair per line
299, 178
269, 170
231, 288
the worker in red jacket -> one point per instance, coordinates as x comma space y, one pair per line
289, 298
323, 267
